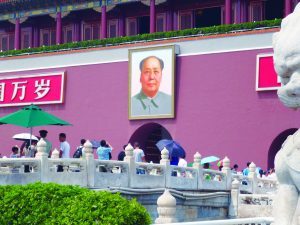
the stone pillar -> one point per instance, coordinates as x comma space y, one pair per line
152, 17
287, 7
166, 208
234, 199
90, 163
43, 156
55, 154
197, 165
58, 28
103, 20
253, 176
227, 171
165, 157
17, 34
129, 158
227, 11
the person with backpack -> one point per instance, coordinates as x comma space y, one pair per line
79, 153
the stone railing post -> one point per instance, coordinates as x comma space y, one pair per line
227, 171
55, 154
90, 163
166, 208
234, 199
165, 157
166, 162
253, 176
129, 158
197, 165
43, 156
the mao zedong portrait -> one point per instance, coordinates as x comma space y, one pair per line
150, 101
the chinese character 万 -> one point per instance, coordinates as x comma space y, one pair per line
42, 88
19, 86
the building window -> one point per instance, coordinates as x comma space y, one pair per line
4, 42
235, 17
206, 17
185, 20
256, 11
131, 26
112, 28
91, 31
25, 39
68, 34
7, 41
161, 22
47, 37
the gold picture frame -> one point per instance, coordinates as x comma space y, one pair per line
151, 92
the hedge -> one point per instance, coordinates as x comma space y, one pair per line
45, 204
147, 37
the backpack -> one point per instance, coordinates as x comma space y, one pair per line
78, 152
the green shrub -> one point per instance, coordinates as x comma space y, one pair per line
145, 37
45, 204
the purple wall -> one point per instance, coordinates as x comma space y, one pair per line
218, 111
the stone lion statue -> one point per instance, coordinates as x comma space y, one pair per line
286, 44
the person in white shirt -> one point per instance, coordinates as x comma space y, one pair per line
138, 153
64, 146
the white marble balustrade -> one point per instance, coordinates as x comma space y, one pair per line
246, 221
19, 171
94, 173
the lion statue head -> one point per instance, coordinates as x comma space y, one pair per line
286, 44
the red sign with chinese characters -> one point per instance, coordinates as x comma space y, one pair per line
37, 89
266, 76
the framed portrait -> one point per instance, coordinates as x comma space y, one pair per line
151, 83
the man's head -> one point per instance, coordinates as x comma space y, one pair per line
62, 137
15, 149
43, 133
82, 141
287, 59
136, 145
103, 143
151, 74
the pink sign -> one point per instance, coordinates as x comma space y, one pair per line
266, 76
37, 89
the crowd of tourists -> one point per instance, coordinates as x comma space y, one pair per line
29, 149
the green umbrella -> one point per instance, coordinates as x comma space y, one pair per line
32, 116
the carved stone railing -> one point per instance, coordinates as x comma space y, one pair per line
246, 221
111, 174
67, 171
148, 175
19, 171
213, 179
93, 173
182, 178
249, 205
